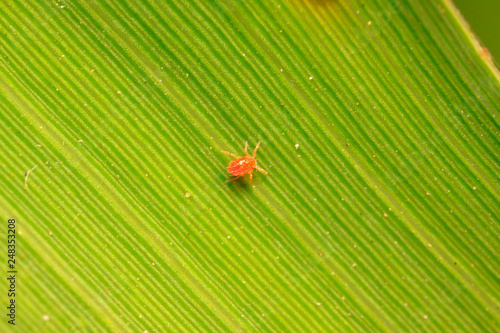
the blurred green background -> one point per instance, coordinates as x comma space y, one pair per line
484, 19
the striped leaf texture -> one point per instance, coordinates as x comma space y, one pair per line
379, 129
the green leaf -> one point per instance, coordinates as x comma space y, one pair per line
379, 127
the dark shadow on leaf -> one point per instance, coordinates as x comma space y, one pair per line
240, 187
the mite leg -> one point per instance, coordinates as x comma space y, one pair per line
251, 176
261, 170
246, 148
231, 154
255, 150
232, 179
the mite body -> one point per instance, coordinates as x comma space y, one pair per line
243, 165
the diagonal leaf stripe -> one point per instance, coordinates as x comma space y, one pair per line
379, 129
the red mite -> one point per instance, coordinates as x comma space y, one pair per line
243, 165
